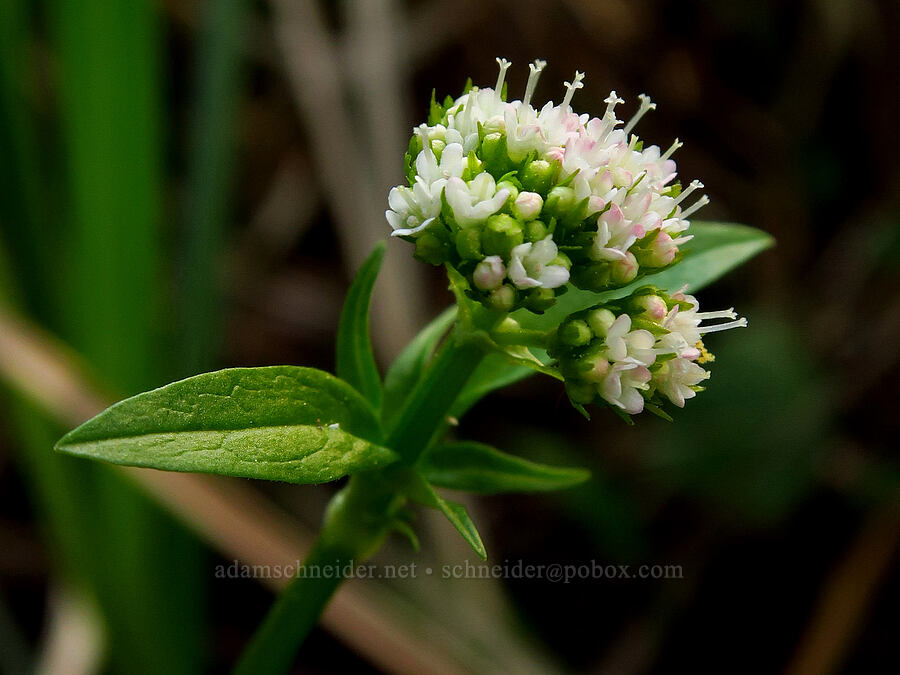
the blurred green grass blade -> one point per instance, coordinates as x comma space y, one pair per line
108, 62
22, 216
213, 143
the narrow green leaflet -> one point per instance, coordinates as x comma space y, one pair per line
475, 467
355, 360
284, 423
409, 366
715, 249
457, 515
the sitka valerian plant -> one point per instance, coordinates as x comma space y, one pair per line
569, 251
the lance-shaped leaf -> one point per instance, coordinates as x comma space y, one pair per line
421, 491
408, 368
475, 467
284, 423
355, 360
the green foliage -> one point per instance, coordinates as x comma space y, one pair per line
716, 249
475, 467
408, 368
355, 359
457, 515
274, 423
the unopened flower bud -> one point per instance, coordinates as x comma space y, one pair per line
575, 333
654, 307
494, 154
593, 368
468, 244
437, 147
600, 320
431, 249
560, 202
539, 300
489, 273
661, 251
535, 230
501, 234
624, 270
503, 298
527, 206
538, 176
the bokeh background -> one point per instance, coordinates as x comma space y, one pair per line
187, 185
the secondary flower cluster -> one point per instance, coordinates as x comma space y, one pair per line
637, 352
523, 200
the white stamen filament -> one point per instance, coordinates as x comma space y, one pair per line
740, 323
721, 314
504, 66
672, 148
646, 104
533, 78
570, 89
695, 184
699, 204
611, 102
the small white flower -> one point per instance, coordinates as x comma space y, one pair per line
489, 273
474, 201
622, 386
676, 378
452, 164
413, 209
529, 265
624, 344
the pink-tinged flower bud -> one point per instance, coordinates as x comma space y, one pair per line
661, 252
489, 273
654, 307
528, 206
503, 298
624, 270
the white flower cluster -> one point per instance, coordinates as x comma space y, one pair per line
647, 348
498, 189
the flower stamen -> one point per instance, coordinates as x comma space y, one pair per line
571, 87
699, 204
504, 66
646, 104
533, 78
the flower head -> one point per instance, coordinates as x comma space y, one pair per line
560, 180
645, 348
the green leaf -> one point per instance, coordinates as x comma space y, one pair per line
454, 512
716, 249
474, 467
408, 368
285, 423
494, 372
355, 360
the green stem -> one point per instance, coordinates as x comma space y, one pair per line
359, 517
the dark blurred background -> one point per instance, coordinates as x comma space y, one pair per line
191, 185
